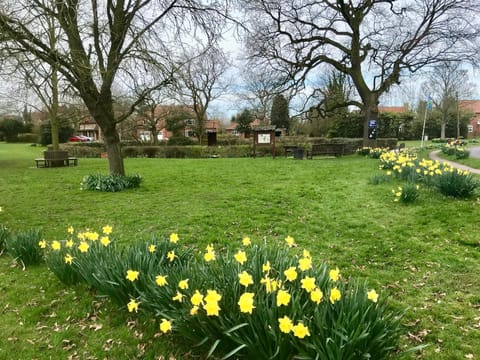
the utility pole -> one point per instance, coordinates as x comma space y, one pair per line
458, 117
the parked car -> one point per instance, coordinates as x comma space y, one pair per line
79, 138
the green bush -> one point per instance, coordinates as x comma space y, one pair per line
406, 193
85, 149
26, 246
28, 138
110, 183
363, 151
456, 183
462, 153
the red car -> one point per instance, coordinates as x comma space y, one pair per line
79, 138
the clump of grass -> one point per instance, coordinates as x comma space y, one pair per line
3, 237
406, 193
25, 246
378, 179
456, 183
110, 183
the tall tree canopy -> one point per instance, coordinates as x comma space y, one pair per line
374, 42
279, 116
104, 44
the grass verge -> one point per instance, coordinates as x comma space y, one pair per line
425, 255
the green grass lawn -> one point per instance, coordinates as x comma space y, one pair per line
425, 256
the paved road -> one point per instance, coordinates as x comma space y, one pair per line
474, 153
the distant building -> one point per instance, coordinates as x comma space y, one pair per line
394, 109
472, 106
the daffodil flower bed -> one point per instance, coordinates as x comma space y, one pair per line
257, 301
432, 173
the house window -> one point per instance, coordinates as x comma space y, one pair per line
145, 136
470, 129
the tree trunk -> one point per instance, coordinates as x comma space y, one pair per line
443, 125
114, 151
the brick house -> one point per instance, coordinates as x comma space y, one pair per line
472, 106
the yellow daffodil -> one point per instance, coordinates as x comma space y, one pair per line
241, 257
245, 278
212, 308
291, 273
335, 295
306, 254
152, 248
305, 263
372, 295
266, 267
334, 274
209, 256
56, 245
183, 284
171, 255
285, 324
194, 310
161, 280
246, 302
92, 236
107, 229
300, 330
42, 244
308, 283
132, 275
178, 297
212, 296
165, 326
246, 241
83, 247
69, 243
290, 241
283, 298
132, 305
70, 230
174, 238
68, 259
209, 248
104, 240
197, 298
316, 295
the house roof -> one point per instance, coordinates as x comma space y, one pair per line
393, 109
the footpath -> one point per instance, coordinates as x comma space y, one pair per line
474, 153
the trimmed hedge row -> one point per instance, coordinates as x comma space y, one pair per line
230, 151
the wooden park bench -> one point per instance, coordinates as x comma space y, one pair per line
56, 158
333, 149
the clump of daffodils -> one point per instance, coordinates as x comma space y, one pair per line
431, 173
256, 301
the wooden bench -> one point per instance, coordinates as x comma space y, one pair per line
57, 158
333, 149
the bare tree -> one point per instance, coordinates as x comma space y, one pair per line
261, 86
446, 83
104, 42
374, 42
41, 78
199, 82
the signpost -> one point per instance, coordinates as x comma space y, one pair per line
372, 129
264, 136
